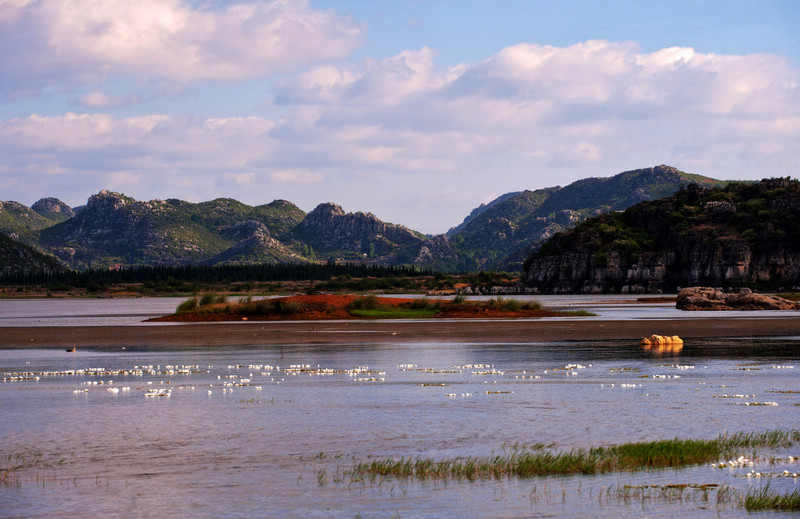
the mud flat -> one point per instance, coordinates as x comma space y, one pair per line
366, 331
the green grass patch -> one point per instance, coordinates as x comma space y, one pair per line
527, 462
576, 313
766, 499
395, 313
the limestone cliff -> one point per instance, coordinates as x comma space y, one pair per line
740, 235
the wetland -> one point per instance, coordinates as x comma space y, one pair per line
309, 429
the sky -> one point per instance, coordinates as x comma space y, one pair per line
417, 111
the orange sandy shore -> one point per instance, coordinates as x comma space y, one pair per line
365, 331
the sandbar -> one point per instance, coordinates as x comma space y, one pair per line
512, 331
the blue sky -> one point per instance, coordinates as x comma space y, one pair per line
417, 111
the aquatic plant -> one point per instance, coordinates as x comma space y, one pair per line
766, 499
525, 463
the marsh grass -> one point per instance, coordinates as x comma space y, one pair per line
765, 499
526, 463
369, 302
576, 313
288, 307
396, 313
671, 492
198, 301
212, 298
12, 464
370, 307
188, 305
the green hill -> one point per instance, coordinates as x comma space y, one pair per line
503, 233
740, 235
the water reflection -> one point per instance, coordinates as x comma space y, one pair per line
253, 432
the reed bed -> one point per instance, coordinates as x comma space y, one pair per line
527, 463
766, 499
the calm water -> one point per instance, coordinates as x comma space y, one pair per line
132, 312
276, 444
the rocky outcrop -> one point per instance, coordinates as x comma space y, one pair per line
53, 208
706, 298
254, 245
115, 229
742, 235
328, 229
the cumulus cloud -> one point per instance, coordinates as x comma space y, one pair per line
582, 104
375, 134
57, 44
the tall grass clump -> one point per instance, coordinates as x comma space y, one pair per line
212, 298
188, 305
424, 304
288, 307
527, 463
369, 302
772, 438
765, 499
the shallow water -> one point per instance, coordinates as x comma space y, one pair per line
134, 311
277, 444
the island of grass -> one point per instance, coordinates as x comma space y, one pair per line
214, 307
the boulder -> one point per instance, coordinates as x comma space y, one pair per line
662, 340
706, 298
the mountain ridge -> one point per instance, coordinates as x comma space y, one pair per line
113, 229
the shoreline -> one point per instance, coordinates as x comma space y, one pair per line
511, 331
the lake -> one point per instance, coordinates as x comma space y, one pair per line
271, 431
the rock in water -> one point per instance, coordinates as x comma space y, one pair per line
706, 298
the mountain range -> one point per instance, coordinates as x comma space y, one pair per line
113, 230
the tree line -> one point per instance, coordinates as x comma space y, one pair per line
265, 272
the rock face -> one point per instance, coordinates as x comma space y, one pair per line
705, 298
255, 244
502, 233
329, 231
740, 235
115, 229
53, 208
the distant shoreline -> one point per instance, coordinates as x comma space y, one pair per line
512, 331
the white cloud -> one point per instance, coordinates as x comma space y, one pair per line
98, 99
391, 136
297, 176
57, 44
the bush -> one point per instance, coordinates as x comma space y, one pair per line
288, 307
188, 305
369, 302
211, 298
